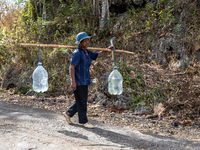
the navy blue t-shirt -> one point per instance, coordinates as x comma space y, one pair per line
82, 62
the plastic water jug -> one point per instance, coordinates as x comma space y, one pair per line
40, 79
115, 80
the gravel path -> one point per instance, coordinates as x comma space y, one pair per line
29, 128
164, 126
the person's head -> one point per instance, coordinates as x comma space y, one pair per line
82, 39
85, 43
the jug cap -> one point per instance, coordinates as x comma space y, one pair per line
115, 67
39, 64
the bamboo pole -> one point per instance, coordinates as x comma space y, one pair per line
74, 47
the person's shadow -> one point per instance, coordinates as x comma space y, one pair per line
133, 140
119, 139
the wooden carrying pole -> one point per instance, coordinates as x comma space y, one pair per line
74, 47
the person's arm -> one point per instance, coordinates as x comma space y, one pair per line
101, 53
72, 76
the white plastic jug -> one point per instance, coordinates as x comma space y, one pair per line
115, 82
40, 79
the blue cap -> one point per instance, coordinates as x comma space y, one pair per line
81, 36
115, 67
39, 64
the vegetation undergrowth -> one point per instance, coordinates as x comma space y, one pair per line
135, 30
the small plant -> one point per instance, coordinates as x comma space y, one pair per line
149, 97
177, 26
2, 89
24, 89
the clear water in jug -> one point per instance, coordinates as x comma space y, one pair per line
40, 79
115, 82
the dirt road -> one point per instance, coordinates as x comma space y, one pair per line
27, 128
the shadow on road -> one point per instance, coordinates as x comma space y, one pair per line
73, 134
148, 141
124, 140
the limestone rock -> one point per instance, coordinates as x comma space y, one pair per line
169, 52
10, 78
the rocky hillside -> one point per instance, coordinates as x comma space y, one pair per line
164, 35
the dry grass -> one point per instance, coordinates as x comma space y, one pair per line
8, 15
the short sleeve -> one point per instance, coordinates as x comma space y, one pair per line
93, 55
75, 58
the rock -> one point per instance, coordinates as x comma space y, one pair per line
197, 55
170, 131
118, 27
118, 104
36, 106
97, 97
141, 109
183, 63
197, 124
170, 53
138, 2
95, 80
103, 102
104, 84
24, 82
10, 78
15, 101
152, 3
123, 101
30, 93
176, 124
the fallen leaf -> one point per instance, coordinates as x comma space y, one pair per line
151, 116
117, 110
94, 107
92, 115
159, 109
133, 75
191, 70
187, 122
197, 47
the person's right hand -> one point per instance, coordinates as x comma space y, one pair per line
110, 47
73, 86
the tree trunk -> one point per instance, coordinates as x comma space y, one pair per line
95, 12
36, 10
44, 13
104, 14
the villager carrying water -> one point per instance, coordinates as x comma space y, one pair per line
80, 62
